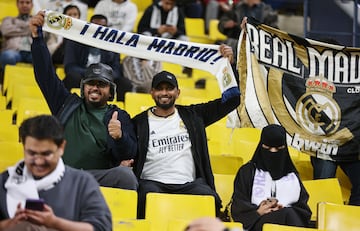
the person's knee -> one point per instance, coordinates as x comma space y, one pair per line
122, 177
9, 57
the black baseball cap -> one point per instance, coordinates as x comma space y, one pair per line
100, 72
166, 77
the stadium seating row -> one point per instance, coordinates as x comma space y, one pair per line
174, 211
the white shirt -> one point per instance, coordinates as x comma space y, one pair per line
121, 16
169, 158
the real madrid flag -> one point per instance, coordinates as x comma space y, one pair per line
310, 88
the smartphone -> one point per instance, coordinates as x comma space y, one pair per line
35, 204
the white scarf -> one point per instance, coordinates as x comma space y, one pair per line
286, 189
172, 18
21, 184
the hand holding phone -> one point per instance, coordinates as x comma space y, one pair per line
35, 204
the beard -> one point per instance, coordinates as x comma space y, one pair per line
165, 106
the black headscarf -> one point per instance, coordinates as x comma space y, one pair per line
278, 164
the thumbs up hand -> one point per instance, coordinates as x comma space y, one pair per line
114, 126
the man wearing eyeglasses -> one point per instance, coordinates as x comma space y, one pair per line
43, 177
100, 137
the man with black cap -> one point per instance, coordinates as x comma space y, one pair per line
172, 147
268, 188
100, 137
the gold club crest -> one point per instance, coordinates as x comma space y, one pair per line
57, 21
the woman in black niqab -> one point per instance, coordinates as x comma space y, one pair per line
268, 188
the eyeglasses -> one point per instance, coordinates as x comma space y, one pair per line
44, 155
99, 84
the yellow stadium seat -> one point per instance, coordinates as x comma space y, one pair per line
234, 226
224, 185
135, 103
212, 88
185, 82
6, 117
24, 91
90, 13
345, 184
222, 147
142, 4
131, 225
181, 224
2, 102
322, 190
29, 107
219, 132
9, 132
335, 217
214, 33
161, 207
174, 68
122, 203
246, 141
60, 72
76, 91
18, 73
138, 17
8, 8
195, 30
10, 153
225, 164
194, 92
188, 100
275, 227
303, 165
119, 104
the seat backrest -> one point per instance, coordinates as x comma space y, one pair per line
138, 18
9, 132
322, 190
234, 226
276, 227
335, 217
29, 107
224, 185
122, 203
2, 102
225, 164
21, 91
135, 103
195, 30
214, 33
160, 207
6, 116
18, 74
8, 8
246, 141
10, 153
181, 224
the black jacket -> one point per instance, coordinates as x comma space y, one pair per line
196, 118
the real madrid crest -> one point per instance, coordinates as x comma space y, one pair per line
226, 79
316, 110
57, 21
